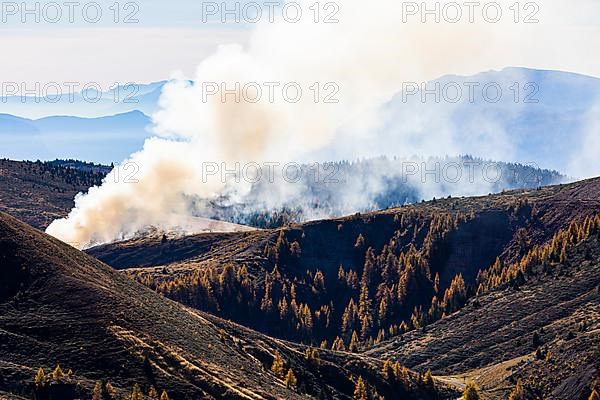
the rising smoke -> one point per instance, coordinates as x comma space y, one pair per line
368, 55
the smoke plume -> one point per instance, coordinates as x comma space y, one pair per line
367, 55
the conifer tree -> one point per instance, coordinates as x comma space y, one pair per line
57, 374
278, 367
295, 249
353, 346
97, 393
360, 242
153, 393
563, 253
360, 390
164, 395
428, 380
315, 357
517, 393
290, 379
112, 392
136, 393
594, 395
388, 370
471, 392
40, 378
338, 344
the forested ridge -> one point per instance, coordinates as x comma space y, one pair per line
353, 282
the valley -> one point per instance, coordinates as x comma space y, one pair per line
500, 290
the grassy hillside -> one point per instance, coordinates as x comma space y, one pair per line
352, 282
544, 332
59, 306
38, 193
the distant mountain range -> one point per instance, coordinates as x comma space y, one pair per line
537, 113
89, 103
548, 121
103, 139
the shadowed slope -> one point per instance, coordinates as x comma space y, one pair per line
324, 262
58, 305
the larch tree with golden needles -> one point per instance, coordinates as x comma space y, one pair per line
40, 378
112, 392
517, 393
290, 380
353, 346
428, 380
153, 393
471, 392
58, 373
97, 393
388, 370
594, 395
360, 242
278, 367
360, 390
136, 393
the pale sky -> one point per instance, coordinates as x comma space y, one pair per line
158, 39
171, 36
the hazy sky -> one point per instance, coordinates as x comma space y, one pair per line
172, 36
150, 40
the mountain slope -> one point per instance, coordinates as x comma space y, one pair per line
371, 275
58, 305
38, 193
545, 332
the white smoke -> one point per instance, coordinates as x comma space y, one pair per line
585, 162
369, 54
